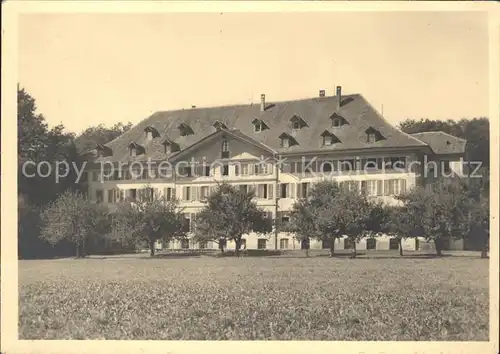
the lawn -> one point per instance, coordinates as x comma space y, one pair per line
280, 298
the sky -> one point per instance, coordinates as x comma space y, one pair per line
87, 69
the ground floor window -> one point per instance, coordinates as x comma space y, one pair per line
393, 244
417, 244
304, 244
167, 244
371, 243
284, 243
348, 244
261, 243
202, 244
326, 244
243, 244
184, 243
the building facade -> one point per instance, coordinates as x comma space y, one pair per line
277, 149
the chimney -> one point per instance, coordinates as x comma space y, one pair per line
193, 106
262, 102
339, 96
321, 93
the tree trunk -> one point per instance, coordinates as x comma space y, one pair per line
237, 247
332, 248
307, 252
354, 249
77, 249
400, 247
221, 245
437, 243
151, 248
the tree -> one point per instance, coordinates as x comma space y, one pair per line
479, 220
228, 215
353, 215
74, 218
301, 223
37, 143
438, 214
99, 134
149, 219
399, 224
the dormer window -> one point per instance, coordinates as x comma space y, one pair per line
151, 133
135, 149
259, 125
297, 122
329, 138
225, 149
170, 146
373, 135
287, 140
185, 129
218, 125
103, 151
337, 121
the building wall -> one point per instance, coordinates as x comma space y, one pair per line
243, 153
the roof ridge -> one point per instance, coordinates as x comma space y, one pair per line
253, 103
440, 132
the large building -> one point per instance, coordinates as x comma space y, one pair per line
185, 153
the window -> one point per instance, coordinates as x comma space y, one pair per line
446, 167
285, 143
371, 188
112, 196
169, 193
243, 188
94, 175
99, 195
225, 149
327, 140
244, 169
257, 127
348, 244
261, 243
204, 192
371, 137
185, 129
243, 244
133, 151
133, 194
371, 243
202, 245
370, 164
185, 242
336, 122
186, 193
262, 169
225, 170
285, 219
326, 166
186, 171
303, 191
393, 244
168, 149
397, 162
284, 243
284, 190
394, 186
296, 125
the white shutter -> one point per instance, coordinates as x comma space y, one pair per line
402, 186
184, 193
270, 188
194, 194
299, 190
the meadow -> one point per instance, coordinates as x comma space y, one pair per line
274, 298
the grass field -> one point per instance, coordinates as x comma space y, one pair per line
281, 298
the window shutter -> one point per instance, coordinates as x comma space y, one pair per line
194, 194
402, 186
380, 188
387, 187
299, 190
184, 193
291, 190
236, 170
270, 188
270, 168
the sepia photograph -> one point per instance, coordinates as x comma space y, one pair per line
239, 175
